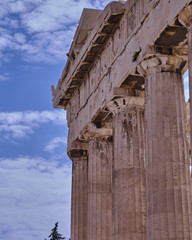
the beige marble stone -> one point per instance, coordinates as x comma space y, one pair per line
128, 169
83, 95
79, 194
168, 182
100, 189
102, 86
188, 128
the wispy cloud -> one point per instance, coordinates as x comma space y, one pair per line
55, 143
41, 31
33, 183
4, 77
21, 124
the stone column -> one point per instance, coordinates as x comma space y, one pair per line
185, 18
190, 75
188, 130
168, 188
128, 169
79, 194
99, 183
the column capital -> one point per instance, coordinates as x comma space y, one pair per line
185, 16
118, 104
78, 151
90, 131
156, 61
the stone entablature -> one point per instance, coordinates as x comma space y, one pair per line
109, 70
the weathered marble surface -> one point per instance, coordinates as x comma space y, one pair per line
129, 199
128, 138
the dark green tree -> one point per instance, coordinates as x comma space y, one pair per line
54, 233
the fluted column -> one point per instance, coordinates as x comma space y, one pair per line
99, 183
185, 18
168, 188
188, 131
79, 194
128, 169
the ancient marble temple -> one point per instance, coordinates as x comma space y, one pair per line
122, 88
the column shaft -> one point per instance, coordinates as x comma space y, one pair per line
79, 199
190, 77
99, 189
167, 162
129, 175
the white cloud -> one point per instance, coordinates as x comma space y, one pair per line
17, 7
41, 30
21, 124
55, 143
20, 38
12, 23
35, 193
4, 77
29, 117
53, 15
48, 47
17, 131
5, 39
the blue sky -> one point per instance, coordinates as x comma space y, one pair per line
35, 172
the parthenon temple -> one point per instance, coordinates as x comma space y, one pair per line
129, 134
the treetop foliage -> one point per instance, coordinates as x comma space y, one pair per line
54, 233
